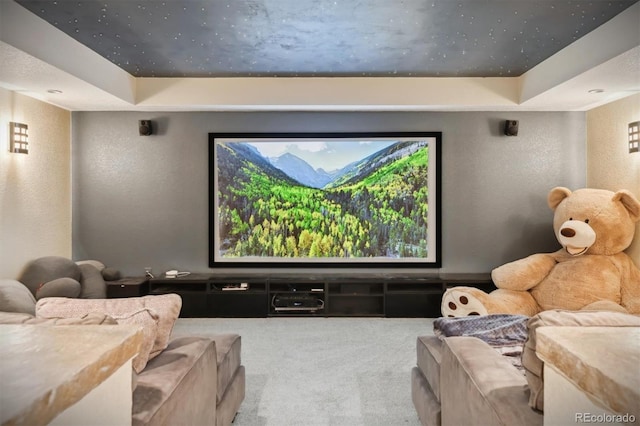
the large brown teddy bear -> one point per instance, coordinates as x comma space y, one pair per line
590, 272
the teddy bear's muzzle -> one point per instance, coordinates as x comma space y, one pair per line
576, 237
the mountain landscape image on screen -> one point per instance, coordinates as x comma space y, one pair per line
277, 207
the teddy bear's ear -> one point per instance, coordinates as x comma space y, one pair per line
629, 202
556, 195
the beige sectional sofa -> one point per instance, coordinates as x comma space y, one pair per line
190, 380
462, 380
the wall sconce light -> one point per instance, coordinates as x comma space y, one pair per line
18, 138
634, 137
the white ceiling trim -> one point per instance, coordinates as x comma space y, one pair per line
324, 92
41, 40
617, 78
612, 39
36, 57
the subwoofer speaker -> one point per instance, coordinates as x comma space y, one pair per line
511, 127
145, 128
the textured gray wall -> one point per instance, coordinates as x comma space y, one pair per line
143, 200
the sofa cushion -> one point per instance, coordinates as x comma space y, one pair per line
16, 297
534, 366
133, 314
429, 350
424, 400
178, 386
60, 287
89, 319
481, 387
227, 409
228, 348
91, 283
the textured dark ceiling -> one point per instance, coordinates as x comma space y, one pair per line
214, 38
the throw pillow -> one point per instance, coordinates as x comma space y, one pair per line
89, 319
148, 321
91, 283
122, 313
110, 274
61, 287
47, 269
96, 263
16, 297
534, 367
165, 306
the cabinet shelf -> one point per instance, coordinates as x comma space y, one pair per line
413, 288
203, 295
182, 288
215, 289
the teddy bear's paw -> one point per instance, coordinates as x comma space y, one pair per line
456, 303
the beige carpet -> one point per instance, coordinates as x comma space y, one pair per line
323, 371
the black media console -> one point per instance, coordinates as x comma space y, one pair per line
214, 295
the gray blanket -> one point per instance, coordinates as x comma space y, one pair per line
505, 333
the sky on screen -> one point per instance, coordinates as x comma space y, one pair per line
325, 154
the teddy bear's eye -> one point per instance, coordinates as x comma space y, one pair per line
570, 218
586, 221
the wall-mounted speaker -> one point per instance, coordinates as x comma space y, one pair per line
145, 128
511, 127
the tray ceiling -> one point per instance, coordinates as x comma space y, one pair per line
300, 38
320, 55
